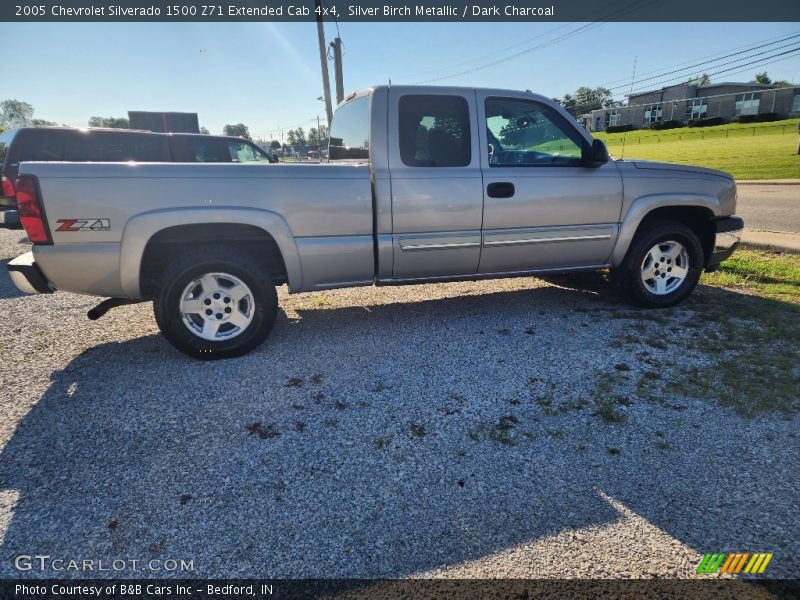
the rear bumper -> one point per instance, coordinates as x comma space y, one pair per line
727, 234
9, 218
27, 276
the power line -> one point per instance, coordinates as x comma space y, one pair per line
589, 17
721, 54
736, 68
707, 62
582, 29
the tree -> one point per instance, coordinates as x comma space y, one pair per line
275, 145
318, 138
114, 122
238, 130
204, 131
782, 83
42, 123
586, 99
296, 137
703, 79
15, 113
762, 78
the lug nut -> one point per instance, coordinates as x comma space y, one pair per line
219, 315
206, 301
208, 311
227, 309
216, 296
226, 300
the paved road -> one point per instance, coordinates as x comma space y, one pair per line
770, 207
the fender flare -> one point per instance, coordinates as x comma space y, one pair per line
644, 205
141, 228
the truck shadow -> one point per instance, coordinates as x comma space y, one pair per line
338, 451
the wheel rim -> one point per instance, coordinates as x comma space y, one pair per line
665, 267
217, 306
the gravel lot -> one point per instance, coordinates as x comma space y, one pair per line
446, 430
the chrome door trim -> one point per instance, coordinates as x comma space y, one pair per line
575, 238
439, 246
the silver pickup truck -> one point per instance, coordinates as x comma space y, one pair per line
423, 184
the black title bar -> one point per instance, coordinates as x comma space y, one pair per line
403, 10
405, 589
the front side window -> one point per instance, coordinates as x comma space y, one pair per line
206, 149
349, 137
243, 152
696, 109
747, 104
652, 113
434, 131
526, 133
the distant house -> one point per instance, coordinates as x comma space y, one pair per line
687, 101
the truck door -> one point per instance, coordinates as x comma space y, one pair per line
544, 208
437, 191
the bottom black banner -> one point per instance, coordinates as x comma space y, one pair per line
405, 589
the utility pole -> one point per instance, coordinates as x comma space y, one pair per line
336, 44
323, 59
319, 141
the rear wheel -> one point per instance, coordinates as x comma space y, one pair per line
663, 265
215, 303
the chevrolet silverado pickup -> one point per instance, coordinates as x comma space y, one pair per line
422, 184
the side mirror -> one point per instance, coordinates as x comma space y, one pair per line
595, 155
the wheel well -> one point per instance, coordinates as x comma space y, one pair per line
696, 218
171, 242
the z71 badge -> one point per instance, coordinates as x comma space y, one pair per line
84, 225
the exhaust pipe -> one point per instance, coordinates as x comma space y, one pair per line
107, 304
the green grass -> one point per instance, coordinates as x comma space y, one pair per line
754, 301
760, 272
741, 350
747, 151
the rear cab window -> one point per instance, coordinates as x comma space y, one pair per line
349, 137
97, 146
434, 131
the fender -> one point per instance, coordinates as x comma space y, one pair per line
643, 205
139, 229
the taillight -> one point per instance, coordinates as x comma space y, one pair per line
30, 213
8, 187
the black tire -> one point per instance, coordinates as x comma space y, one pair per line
628, 276
192, 265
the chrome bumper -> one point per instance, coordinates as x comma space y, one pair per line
27, 276
727, 235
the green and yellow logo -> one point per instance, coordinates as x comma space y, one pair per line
734, 563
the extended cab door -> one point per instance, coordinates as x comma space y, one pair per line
543, 208
437, 191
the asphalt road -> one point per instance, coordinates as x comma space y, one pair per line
770, 207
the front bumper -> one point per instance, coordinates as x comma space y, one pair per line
27, 276
727, 234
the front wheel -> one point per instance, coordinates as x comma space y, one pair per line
215, 303
663, 265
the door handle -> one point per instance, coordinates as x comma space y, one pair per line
502, 189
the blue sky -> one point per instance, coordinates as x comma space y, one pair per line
267, 75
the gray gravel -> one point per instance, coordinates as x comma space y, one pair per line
380, 432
